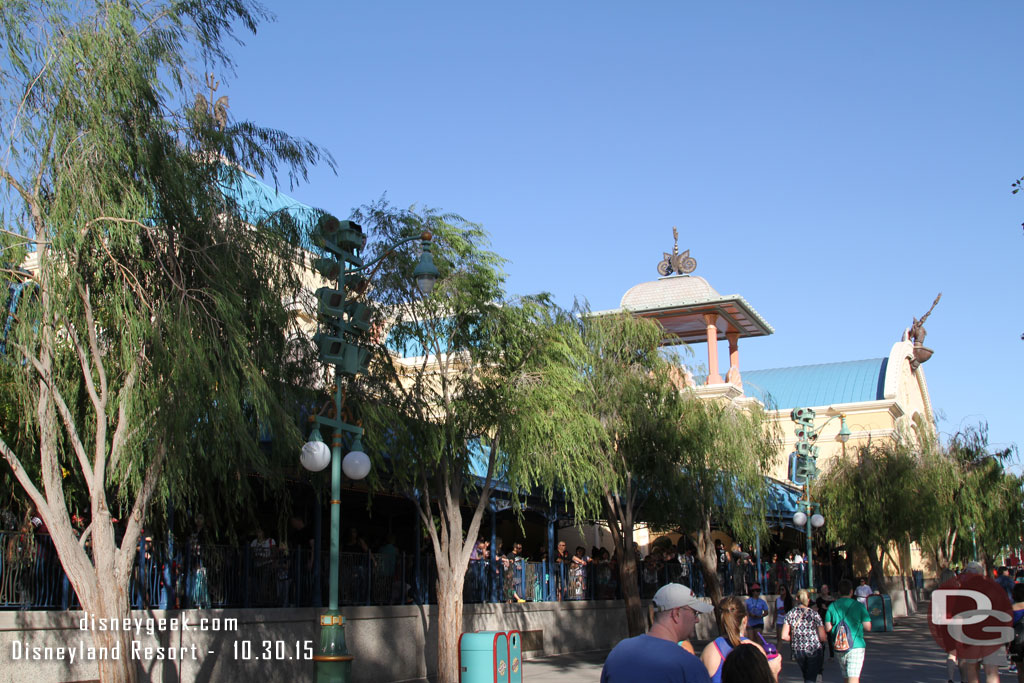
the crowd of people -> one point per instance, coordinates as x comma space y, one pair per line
741, 654
577, 576
811, 625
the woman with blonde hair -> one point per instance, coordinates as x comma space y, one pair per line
805, 630
732, 625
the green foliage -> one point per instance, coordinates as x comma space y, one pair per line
158, 321
916, 489
974, 490
668, 456
883, 494
482, 393
729, 448
627, 388
662, 455
483, 387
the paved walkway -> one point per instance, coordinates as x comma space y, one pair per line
906, 655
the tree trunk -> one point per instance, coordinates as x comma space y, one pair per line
124, 668
709, 564
102, 589
620, 523
876, 566
636, 622
449, 624
104, 595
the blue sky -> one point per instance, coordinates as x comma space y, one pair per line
836, 164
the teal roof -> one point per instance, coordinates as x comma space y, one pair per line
817, 385
257, 201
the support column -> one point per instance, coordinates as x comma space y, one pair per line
713, 376
551, 566
492, 564
318, 594
417, 579
757, 550
733, 376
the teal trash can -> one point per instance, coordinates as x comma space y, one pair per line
483, 657
880, 611
515, 657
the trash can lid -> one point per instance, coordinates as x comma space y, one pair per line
483, 640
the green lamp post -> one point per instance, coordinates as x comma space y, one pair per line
343, 320
806, 470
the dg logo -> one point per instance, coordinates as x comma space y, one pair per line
972, 616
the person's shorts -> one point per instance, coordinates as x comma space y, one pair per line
811, 664
997, 658
851, 662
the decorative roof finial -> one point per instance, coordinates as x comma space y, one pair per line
219, 110
675, 262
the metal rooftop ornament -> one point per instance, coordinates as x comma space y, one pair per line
917, 334
683, 264
217, 110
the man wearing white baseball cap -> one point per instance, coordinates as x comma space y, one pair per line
656, 656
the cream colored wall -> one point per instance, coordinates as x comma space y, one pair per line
904, 396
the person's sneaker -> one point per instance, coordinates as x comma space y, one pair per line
1013, 667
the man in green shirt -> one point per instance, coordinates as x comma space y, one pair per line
848, 619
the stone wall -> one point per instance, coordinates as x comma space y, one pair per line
389, 643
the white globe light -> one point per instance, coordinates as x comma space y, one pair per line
800, 519
817, 521
315, 456
356, 465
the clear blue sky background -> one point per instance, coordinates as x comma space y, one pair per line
837, 164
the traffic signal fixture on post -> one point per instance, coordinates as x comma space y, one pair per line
343, 320
804, 468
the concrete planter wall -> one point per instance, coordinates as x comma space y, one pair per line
389, 643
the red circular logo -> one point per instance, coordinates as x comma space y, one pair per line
971, 615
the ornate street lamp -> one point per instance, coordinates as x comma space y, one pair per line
343, 320
806, 470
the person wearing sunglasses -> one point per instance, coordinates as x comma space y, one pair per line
656, 655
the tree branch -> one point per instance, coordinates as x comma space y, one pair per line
22, 476
83, 360
65, 414
17, 187
481, 504
125, 553
121, 431
94, 347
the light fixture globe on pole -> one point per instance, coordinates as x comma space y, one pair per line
356, 464
316, 455
844, 430
800, 518
817, 521
426, 273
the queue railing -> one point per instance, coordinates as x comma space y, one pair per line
217, 576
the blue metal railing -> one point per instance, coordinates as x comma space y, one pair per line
207, 576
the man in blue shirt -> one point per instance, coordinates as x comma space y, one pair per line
756, 609
657, 657
1006, 582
